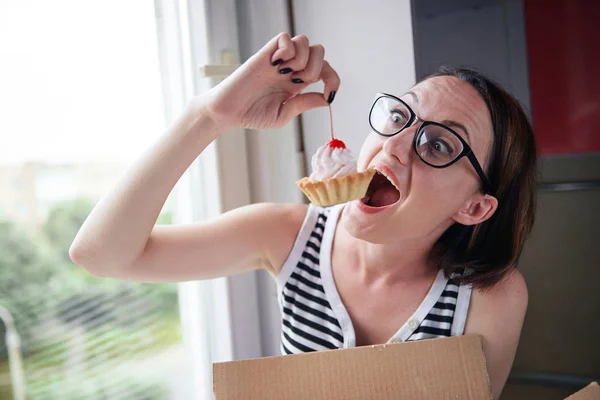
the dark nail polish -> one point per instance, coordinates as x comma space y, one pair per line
297, 80
277, 62
285, 70
331, 97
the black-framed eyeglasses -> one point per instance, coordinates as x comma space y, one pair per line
436, 144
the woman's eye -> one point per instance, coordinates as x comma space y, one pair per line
440, 146
397, 117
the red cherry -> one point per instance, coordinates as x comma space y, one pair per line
336, 144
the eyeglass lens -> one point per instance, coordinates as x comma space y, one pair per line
435, 144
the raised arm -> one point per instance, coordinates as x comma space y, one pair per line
119, 238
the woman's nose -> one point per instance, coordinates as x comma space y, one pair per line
400, 145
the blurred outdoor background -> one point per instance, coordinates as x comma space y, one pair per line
80, 97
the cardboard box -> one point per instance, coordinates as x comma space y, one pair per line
451, 368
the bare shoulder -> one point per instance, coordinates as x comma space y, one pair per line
508, 295
289, 211
503, 305
269, 211
497, 314
280, 226
286, 218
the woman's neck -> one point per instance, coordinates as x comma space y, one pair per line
391, 262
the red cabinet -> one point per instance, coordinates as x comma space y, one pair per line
563, 44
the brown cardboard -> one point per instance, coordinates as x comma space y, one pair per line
590, 392
450, 368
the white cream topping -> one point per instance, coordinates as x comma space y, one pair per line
330, 162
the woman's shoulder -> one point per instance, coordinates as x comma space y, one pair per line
290, 210
510, 292
501, 306
282, 223
285, 215
497, 314
291, 225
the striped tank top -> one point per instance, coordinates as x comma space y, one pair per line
313, 315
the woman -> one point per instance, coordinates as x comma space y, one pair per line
399, 264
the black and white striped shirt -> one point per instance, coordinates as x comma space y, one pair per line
314, 317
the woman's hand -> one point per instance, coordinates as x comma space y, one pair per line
264, 91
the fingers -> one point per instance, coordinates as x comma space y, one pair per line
313, 67
302, 65
301, 103
282, 48
331, 80
300, 57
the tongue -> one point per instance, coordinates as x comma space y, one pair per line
384, 195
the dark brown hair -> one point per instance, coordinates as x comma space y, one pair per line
488, 251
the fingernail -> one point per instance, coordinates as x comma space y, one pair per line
277, 62
285, 70
297, 80
331, 96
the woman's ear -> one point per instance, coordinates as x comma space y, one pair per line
478, 209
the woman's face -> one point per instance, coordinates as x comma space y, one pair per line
428, 200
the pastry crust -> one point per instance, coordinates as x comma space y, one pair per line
341, 189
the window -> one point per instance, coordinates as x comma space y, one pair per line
81, 98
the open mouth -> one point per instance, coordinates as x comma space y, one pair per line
381, 192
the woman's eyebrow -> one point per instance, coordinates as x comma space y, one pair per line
454, 124
414, 96
447, 122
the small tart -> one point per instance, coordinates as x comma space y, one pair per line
337, 190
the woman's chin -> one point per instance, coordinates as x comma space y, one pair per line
361, 226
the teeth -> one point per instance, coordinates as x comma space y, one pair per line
389, 179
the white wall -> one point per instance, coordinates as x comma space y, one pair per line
370, 44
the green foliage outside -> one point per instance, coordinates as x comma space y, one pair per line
56, 304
